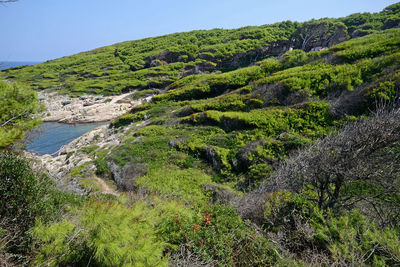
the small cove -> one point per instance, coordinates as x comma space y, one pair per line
52, 136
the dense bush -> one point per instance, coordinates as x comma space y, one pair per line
17, 107
299, 228
345, 169
25, 197
101, 234
123, 120
219, 235
294, 58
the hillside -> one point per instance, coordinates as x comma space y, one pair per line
157, 62
275, 145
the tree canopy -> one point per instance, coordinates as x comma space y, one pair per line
17, 107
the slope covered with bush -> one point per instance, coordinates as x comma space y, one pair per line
160, 61
250, 154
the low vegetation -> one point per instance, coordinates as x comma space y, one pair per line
245, 156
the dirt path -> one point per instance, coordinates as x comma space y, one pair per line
105, 188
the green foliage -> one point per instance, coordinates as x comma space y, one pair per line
355, 240
184, 184
17, 107
370, 46
25, 197
310, 116
294, 58
348, 239
123, 120
384, 91
211, 85
392, 9
89, 149
101, 164
217, 233
128, 65
102, 234
317, 79
270, 65
78, 171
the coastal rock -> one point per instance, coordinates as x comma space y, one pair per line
73, 156
74, 110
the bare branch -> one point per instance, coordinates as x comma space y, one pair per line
358, 166
25, 112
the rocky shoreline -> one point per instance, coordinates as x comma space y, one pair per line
73, 155
61, 108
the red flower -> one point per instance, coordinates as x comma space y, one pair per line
196, 227
177, 220
207, 218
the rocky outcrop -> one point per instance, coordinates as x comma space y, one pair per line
243, 160
278, 94
62, 109
125, 177
212, 157
166, 57
200, 68
390, 23
220, 195
247, 58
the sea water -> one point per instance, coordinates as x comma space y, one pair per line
52, 136
13, 64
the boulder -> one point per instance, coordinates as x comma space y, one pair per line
219, 195
125, 177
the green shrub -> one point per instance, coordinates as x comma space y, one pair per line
270, 65
123, 120
348, 239
101, 234
25, 197
357, 241
89, 149
171, 181
294, 58
217, 233
78, 171
102, 168
17, 106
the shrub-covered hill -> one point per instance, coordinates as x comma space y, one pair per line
273, 160
243, 122
160, 61
209, 140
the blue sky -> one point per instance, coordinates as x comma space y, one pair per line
39, 30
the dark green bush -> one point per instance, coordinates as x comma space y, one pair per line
102, 233
25, 197
218, 233
294, 58
102, 168
123, 120
297, 225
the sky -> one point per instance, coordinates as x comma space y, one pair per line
40, 30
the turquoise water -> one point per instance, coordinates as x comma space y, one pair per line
52, 136
13, 64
